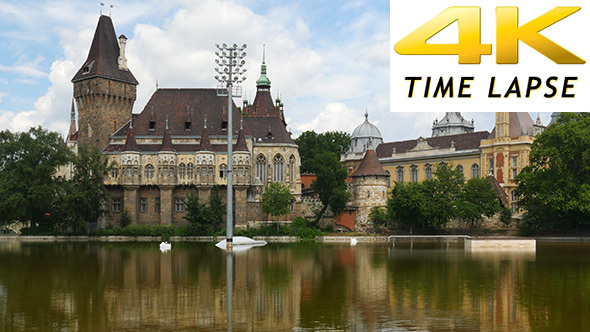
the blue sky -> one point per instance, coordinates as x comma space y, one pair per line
328, 60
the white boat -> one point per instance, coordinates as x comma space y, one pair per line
165, 246
241, 243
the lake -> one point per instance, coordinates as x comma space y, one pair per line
70, 286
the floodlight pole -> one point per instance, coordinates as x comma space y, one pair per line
230, 62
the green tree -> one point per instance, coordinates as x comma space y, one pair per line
406, 205
125, 219
555, 187
82, 199
28, 163
205, 218
440, 196
311, 144
330, 184
477, 199
277, 199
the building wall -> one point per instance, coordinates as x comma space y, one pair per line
419, 163
368, 192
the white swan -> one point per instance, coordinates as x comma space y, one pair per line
353, 241
165, 246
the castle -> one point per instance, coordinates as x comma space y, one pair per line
178, 143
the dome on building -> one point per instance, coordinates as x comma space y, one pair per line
365, 136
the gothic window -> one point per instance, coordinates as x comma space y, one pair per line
414, 173
400, 174
223, 171
514, 161
513, 196
149, 171
190, 168
514, 173
143, 204
181, 170
115, 172
460, 169
261, 167
292, 168
116, 204
475, 171
277, 170
129, 170
491, 161
178, 204
428, 171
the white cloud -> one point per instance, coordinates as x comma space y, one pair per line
335, 117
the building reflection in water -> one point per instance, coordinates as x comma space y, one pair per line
310, 287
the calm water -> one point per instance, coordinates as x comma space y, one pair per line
294, 287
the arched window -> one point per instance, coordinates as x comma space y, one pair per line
475, 171
223, 171
190, 169
428, 171
400, 174
181, 170
414, 173
460, 168
292, 168
277, 167
149, 171
115, 172
261, 167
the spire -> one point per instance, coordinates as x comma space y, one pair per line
72, 120
205, 144
130, 143
241, 142
263, 82
167, 140
366, 115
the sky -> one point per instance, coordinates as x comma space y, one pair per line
329, 60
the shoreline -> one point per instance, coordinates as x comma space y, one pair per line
277, 239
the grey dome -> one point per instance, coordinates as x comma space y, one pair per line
365, 136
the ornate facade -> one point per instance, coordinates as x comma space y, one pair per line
178, 143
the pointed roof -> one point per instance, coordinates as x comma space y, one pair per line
520, 124
130, 142
241, 142
73, 131
370, 166
103, 56
205, 144
167, 140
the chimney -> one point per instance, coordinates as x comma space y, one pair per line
122, 59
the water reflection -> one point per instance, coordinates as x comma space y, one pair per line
295, 287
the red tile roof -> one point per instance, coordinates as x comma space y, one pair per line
370, 166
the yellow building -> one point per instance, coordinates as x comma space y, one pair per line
507, 150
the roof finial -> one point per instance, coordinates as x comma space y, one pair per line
241, 121
366, 115
205, 120
166, 121
263, 52
111, 10
156, 84
101, 5
130, 121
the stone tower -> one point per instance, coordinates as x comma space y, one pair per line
369, 188
104, 88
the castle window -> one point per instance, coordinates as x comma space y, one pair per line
223, 171
190, 170
428, 171
187, 125
152, 125
514, 173
261, 167
223, 125
149, 171
414, 173
116, 204
475, 171
514, 161
115, 172
278, 162
157, 205
181, 170
178, 204
143, 204
400, 174
514, 196
491, 161
292, 168
460, 169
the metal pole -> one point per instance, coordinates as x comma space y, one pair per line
229, 225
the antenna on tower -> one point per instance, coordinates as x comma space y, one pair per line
156, 84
